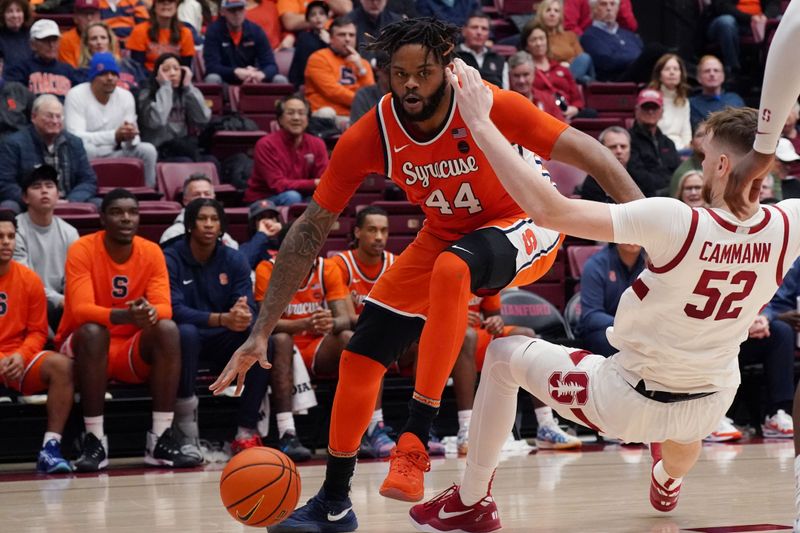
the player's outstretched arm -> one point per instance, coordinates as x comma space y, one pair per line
778, 95
540, 200
295, 257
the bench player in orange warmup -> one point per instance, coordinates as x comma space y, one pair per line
475, 239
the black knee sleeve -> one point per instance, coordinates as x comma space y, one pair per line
491, 258
384, 335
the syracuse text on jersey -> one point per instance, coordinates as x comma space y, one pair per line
439, 170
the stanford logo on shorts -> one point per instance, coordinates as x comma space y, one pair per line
571, 388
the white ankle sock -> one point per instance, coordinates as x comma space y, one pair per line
285, 423
377, 417
243, 433
544, 415
94, 425
186, 416
162, 420
463, 418
663, 478
49, 435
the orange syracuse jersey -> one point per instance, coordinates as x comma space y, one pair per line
358, 277
95, 284
448, 176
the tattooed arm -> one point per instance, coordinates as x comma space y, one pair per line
295, 257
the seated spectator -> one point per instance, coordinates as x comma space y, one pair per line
237, 51
123, 15
104, 117
370, 17
45, 142
693, 162
99, 38
334, 74
565, 47
117, 325
25, 366
200, 186
194, 14
474, 52
551, 79
613, 48
653, 155
15, 103
317, 321
712, 97
308, 41
618, 140
732, 19
265, 230
288, 163
43, 238
163, 33
15, 39
606, 275
293, 13
212, 304
367, 97
520, 78
454, 12
69, 50
43, 73
690, 189
170, 109
264, 14
578, 15
669, 77
790, 127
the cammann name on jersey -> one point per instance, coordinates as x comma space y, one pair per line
749, 252
439, 169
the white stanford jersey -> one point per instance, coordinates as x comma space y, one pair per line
680, 324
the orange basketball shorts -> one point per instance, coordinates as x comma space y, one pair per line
125, 362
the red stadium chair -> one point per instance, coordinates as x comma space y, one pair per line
170, 176
283, 58
595, 126
228, 143
75, 208
213, 96
577, 256
612, 99
125, 172
566, 177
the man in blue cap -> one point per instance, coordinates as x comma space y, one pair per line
104, 117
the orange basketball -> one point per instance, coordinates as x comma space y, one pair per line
260, 487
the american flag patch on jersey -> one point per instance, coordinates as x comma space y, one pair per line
459, 133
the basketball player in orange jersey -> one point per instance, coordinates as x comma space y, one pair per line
484, 316
24, 364
317, 321
117, 325
475, 238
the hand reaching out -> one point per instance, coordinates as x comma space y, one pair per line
253, 350
474, 97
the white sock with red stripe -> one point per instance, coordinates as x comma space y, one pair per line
664, 479
544, 416
464, 418
162, 420
496, 408
94, 425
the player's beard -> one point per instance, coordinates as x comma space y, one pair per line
429, 105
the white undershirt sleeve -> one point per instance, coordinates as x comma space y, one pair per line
781, 81
660, 225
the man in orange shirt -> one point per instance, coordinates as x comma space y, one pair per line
317, 321
117, 325
333, 75
24, 364
69, 49
475, 238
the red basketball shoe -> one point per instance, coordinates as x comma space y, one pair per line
663, 498
446, 512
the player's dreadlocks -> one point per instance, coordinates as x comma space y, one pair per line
437, 36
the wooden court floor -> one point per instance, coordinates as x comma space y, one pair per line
734, 488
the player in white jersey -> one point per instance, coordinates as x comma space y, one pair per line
677, 329
778, 94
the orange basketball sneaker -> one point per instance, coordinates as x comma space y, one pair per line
406, 478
